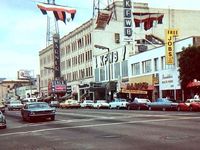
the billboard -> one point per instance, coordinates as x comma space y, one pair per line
24, 74
169, 45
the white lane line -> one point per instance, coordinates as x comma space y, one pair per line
99, 125
53, 122
81, 115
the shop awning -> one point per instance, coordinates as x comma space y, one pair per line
193, 84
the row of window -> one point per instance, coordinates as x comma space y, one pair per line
151, 65
77, 60
112, 71
81, 74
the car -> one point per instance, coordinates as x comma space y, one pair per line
70, 103
195, 105
35, 110
101, 104
2, 107
139, 103
2, 120
118, 103
162, 104
87, 104
14, 104
186, 106
54, 104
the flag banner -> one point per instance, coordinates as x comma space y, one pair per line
147, 19
58, 11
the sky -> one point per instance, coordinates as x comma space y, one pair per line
23, 29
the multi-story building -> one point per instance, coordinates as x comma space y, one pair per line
89, 55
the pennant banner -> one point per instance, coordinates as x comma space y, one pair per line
58, 11
147, 19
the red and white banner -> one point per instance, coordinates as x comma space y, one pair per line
59, 11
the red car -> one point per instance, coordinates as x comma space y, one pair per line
189, 105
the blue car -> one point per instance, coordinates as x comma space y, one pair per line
34, 110
163, 104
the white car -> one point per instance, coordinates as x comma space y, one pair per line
14, 104
87, 104
118, 103
101, 104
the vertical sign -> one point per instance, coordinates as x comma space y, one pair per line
169, 45
128, 21
56, 48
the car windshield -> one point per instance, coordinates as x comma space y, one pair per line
38, 105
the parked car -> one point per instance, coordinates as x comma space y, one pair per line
54, 104
2, 107
139, 103
162, 104
70, 103
87, 104
195, 105
185, 106
101, 104
118, 103
2, 120
34, 110
14, 104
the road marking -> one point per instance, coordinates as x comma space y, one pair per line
52, 122
98, 125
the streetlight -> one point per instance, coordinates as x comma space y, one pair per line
106, 48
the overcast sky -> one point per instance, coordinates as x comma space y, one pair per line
23, 29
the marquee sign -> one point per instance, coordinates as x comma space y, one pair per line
56, 48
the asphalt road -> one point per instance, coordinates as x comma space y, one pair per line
90, 129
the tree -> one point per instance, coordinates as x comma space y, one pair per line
189, 65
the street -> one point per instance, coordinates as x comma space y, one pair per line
92, 129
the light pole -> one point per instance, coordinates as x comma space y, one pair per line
106, 48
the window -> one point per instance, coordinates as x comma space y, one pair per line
155, 64
135, 68
146, 66
102, 74
117, 70
125, 68
97, 75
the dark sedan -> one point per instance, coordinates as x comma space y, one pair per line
163, 104
139, 104
34, 110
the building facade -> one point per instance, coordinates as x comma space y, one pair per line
92, 57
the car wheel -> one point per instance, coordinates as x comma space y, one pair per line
52, 118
